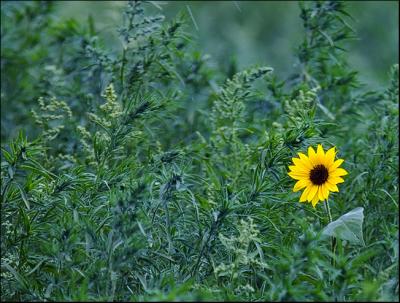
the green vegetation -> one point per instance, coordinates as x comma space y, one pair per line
133, 168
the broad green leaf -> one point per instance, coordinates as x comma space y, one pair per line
348, 227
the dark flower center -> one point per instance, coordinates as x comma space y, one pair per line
319, 174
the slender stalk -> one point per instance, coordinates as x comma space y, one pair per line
203, 247
333, 240
168, 225
328, 210
122, 69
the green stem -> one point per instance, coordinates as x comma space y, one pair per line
328, 210
333, 239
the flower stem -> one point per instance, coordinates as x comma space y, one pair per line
328, 210
333, 239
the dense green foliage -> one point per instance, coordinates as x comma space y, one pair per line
143, 172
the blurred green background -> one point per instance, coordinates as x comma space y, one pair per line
265, 33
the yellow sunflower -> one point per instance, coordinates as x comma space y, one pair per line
318, 174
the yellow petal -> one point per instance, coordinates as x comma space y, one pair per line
335, 180
332, 187
304, 195
315, 201
299, 163
320, 155
297, 176
305, 161
312, 156
298, 170
325, 190
300, 184
312, 193
330, 157
335, 164
338, 172
320, 193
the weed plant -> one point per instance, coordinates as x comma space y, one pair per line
144, 173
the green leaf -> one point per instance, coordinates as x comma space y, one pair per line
20, 279
10, 172
23, 196
348, 227
7, 155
